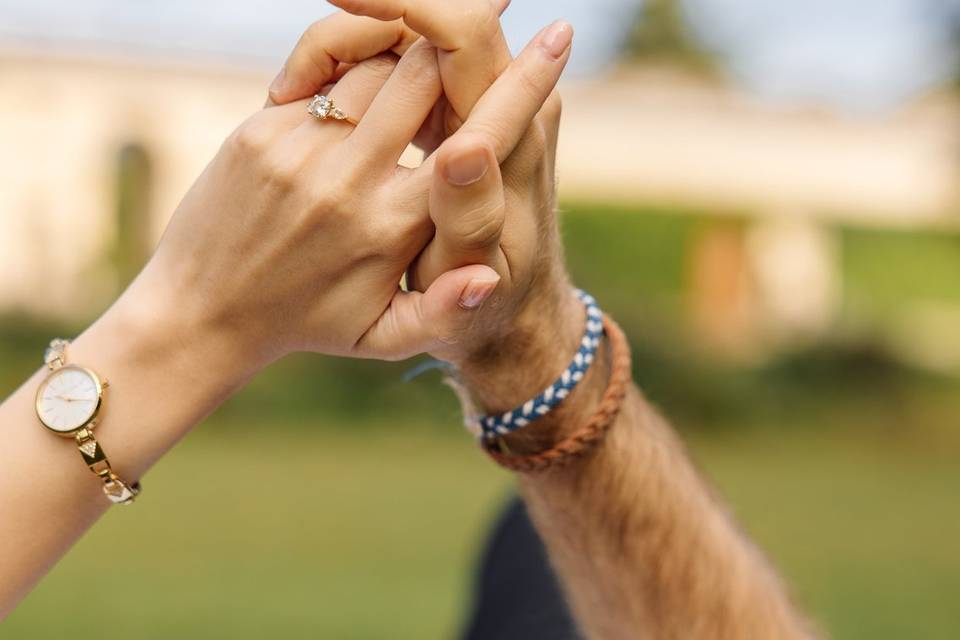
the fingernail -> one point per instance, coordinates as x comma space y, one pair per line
556, 39
277, 85
466, 167
476, 291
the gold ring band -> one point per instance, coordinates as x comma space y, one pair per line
323, 108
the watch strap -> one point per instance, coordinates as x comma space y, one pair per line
116, 490
55, 355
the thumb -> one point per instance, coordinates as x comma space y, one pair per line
468, 209
434, 320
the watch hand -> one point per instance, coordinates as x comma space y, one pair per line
66, 399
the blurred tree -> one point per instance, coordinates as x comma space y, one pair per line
953, 18
131, 246
946, 13
661, 34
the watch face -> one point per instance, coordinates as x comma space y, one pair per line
68, 399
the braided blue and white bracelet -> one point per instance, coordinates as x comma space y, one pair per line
491, 426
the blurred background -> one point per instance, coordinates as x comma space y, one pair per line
765, 195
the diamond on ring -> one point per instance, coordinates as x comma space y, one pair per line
322, 107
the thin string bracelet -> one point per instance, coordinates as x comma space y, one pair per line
593, 431
491, 427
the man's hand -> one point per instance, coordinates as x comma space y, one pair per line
503, 220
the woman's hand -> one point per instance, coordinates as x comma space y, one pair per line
297, 234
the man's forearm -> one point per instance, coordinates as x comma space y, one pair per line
641, 545
644, 549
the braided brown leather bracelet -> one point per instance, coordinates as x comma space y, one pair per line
593, 431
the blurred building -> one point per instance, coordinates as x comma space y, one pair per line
97, 151
794, 172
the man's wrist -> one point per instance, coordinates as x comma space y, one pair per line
537, 348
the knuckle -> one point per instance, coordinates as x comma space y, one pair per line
327, 204
482, 20
486, 132
252, 137
531, 83
446, 333
373, 233
282, 171
419, 64
315, 34
371, 236
389, 235
417, 70
379, 66
453, 331
330, 200
479, 228
447, 337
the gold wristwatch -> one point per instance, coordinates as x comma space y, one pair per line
68, 404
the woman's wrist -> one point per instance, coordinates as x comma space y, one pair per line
166, 312
166, 372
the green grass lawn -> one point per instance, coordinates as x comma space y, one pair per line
296, 532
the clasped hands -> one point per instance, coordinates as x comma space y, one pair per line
296, 235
